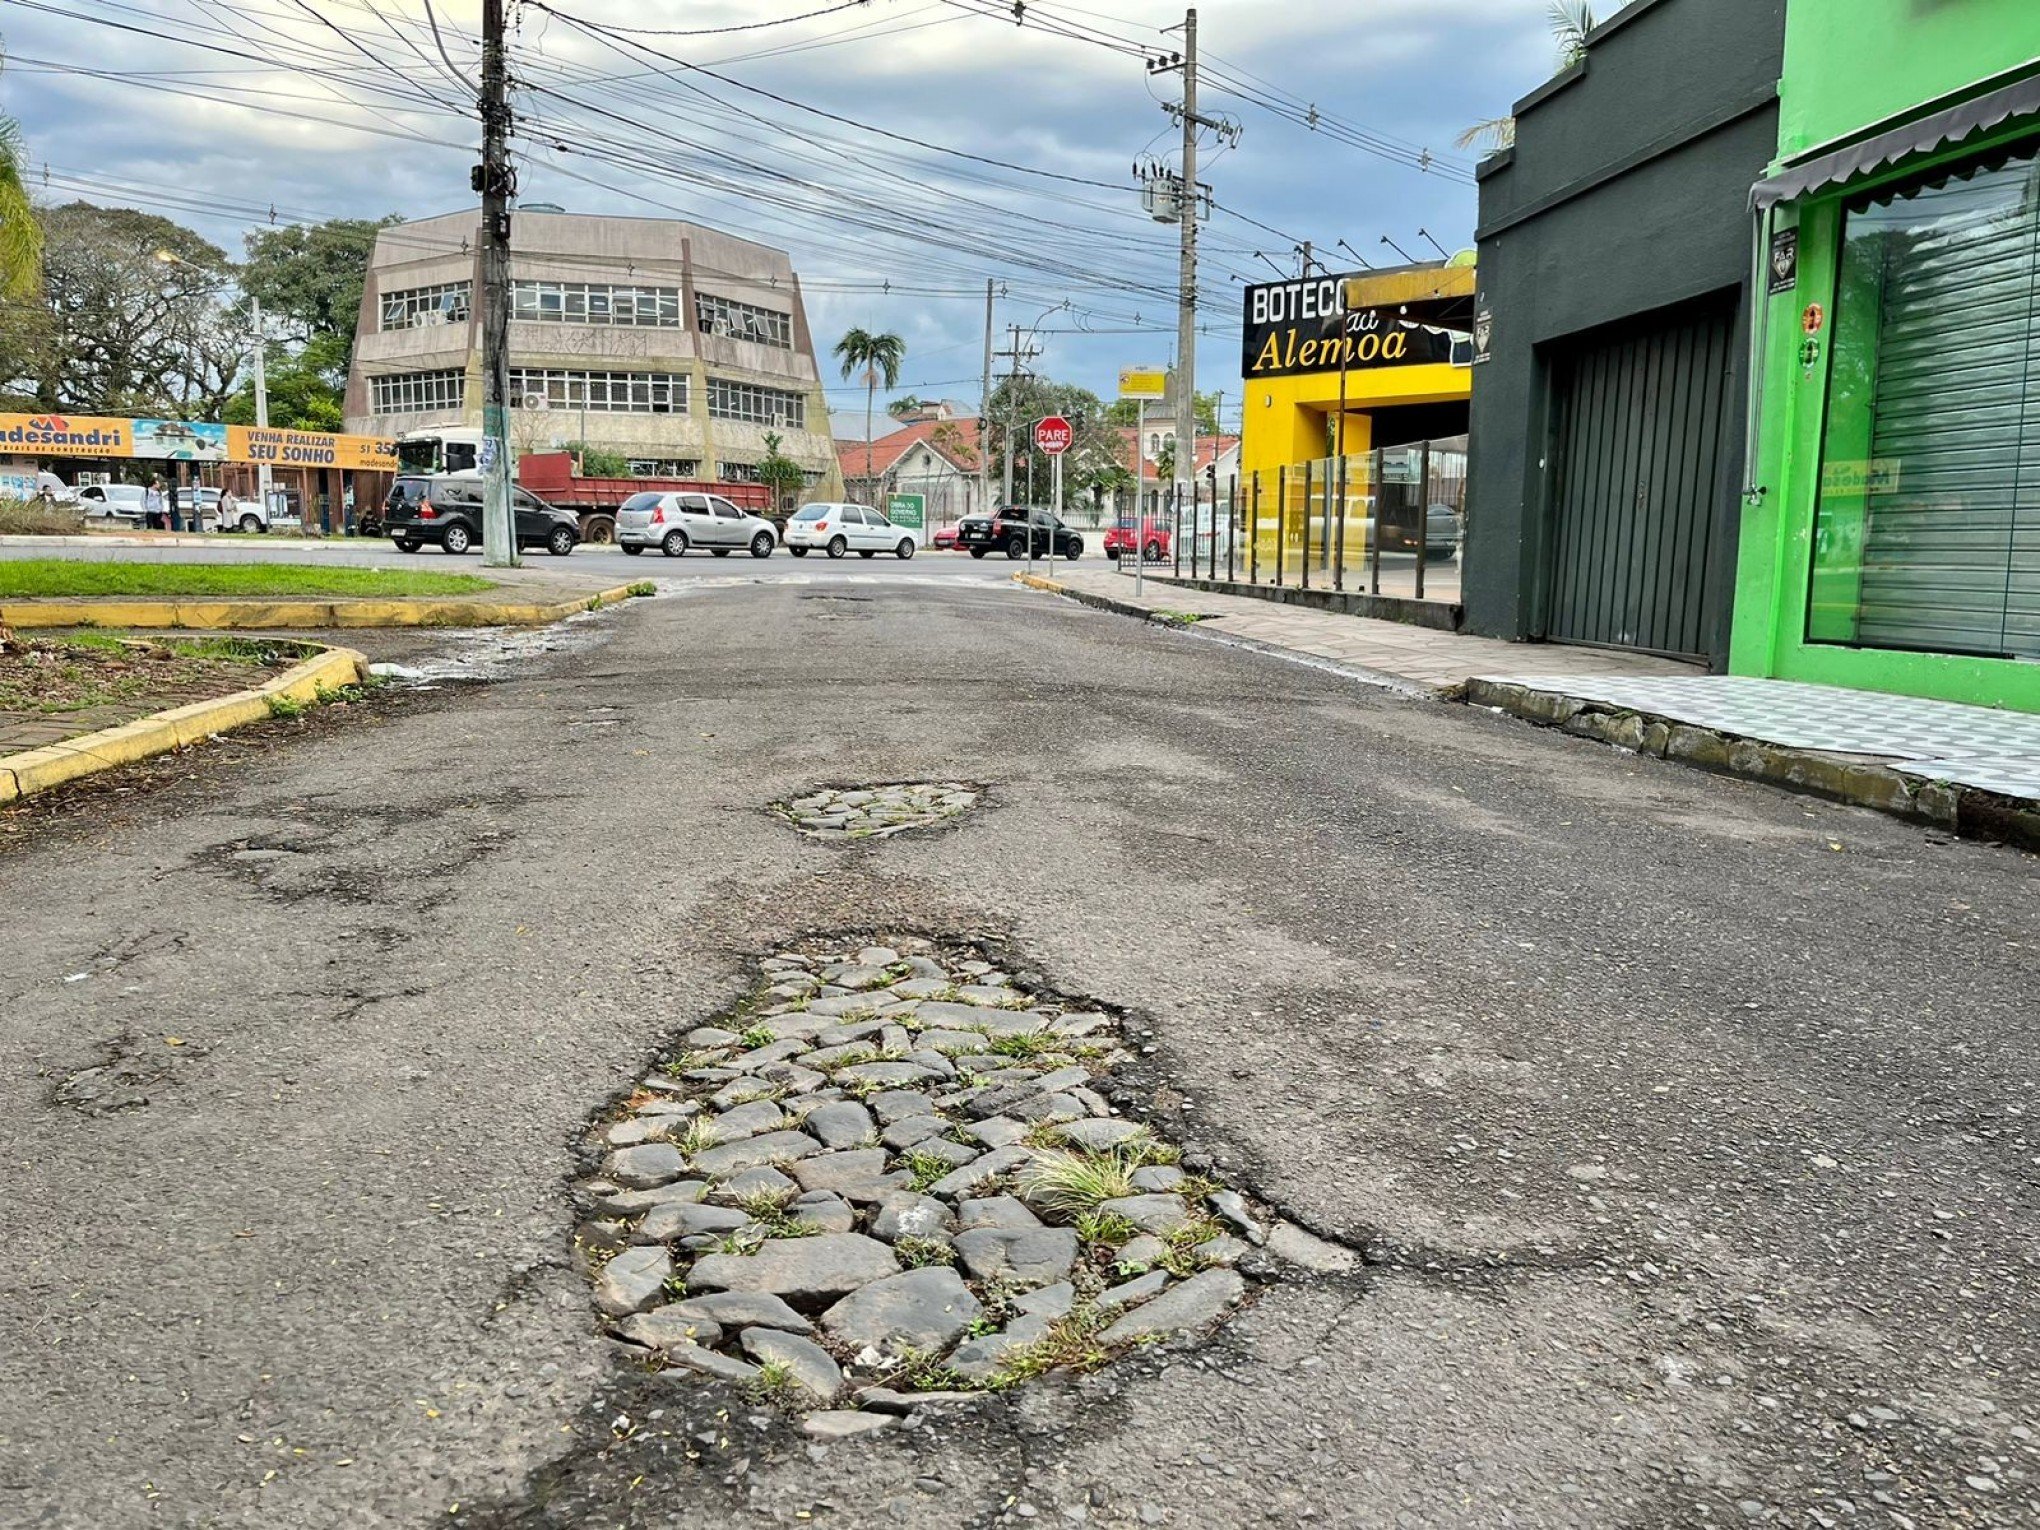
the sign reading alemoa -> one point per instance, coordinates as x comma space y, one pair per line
1148, 383
1298, 326
1054, 435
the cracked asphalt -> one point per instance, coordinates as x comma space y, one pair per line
1679, 1131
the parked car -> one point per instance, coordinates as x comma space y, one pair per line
945, 539
675, 522
838, 529
1013, 528
1441, 531
112, 502
1151, 537
448, 514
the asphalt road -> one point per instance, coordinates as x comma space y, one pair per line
1683, 1128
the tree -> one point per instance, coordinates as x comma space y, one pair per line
300, 397
947, 437
779, 472
901, 407
21, 240
1096, 455
879, 356
599, 461
1570, 21
309, 280
114, 328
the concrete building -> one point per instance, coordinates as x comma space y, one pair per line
1606, 488
677, 347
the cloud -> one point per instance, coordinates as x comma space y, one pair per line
875, 209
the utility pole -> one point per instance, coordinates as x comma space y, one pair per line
494, 179
262, 474
1017, 353
985, 412
1186, 277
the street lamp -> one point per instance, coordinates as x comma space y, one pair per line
260, 346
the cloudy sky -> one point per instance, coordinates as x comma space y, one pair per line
902, 150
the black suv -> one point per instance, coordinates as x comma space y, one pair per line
1010, 530
446, 509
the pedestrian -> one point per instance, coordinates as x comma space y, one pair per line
152, 505
228, 508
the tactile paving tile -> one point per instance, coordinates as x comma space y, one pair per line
1940, 740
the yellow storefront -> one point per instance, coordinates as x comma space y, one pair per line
1394, 348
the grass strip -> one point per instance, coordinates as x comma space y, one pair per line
73, 579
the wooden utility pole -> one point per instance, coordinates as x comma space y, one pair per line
1186, 276
497, 183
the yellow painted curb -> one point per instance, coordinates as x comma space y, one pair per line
273, 615
1039, 582
37, 770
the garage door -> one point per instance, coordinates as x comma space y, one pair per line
1640, 474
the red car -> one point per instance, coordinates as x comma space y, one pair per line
945, 539
1151, 537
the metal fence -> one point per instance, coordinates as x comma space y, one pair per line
1384, 522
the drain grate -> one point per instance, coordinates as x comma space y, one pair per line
877, 812
893, 1175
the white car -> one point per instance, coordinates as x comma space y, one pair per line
113, 501
674, 523
838, 529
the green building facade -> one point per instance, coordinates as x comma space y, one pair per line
1890, 538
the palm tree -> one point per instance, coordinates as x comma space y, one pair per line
880, 357
20, 233
903, 406
1571, 21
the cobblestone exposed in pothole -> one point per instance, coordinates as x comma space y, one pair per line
877, 812
893, 1179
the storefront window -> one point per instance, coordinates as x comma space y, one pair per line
1927, 535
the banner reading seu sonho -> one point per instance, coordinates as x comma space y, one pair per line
77, 435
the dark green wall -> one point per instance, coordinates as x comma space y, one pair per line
1627, 191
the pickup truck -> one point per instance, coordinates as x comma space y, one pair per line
1150, 537
1011, 528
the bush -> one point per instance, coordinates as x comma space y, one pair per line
30, 518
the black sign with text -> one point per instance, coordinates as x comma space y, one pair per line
1295, 327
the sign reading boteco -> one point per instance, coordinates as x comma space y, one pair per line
1303, 326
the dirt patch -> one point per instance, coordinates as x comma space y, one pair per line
53, 688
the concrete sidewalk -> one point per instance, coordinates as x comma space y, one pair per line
1390, 653
1973, 770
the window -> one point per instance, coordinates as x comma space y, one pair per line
546, 302
743, 321
725, 510
600, 392
417, 392
664, 467
1927, 531
737, 472
762, 406
446, 303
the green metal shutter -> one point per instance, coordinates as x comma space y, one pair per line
1951, 561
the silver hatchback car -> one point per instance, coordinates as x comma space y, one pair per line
675, 523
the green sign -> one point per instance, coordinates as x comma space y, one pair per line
908, 511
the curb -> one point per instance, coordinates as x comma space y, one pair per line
1963, 810
37, 770
273, 615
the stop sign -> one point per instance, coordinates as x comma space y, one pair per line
1054, 435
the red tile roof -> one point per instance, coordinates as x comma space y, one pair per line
954, 440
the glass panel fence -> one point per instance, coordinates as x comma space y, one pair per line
1385, 522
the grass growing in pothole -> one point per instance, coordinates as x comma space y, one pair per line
1068, 1183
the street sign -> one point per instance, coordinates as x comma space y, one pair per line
1144, 382
1054, 435
907, 511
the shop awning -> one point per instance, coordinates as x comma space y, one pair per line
1940, 130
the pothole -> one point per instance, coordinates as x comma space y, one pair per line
877, 812
893, 1177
